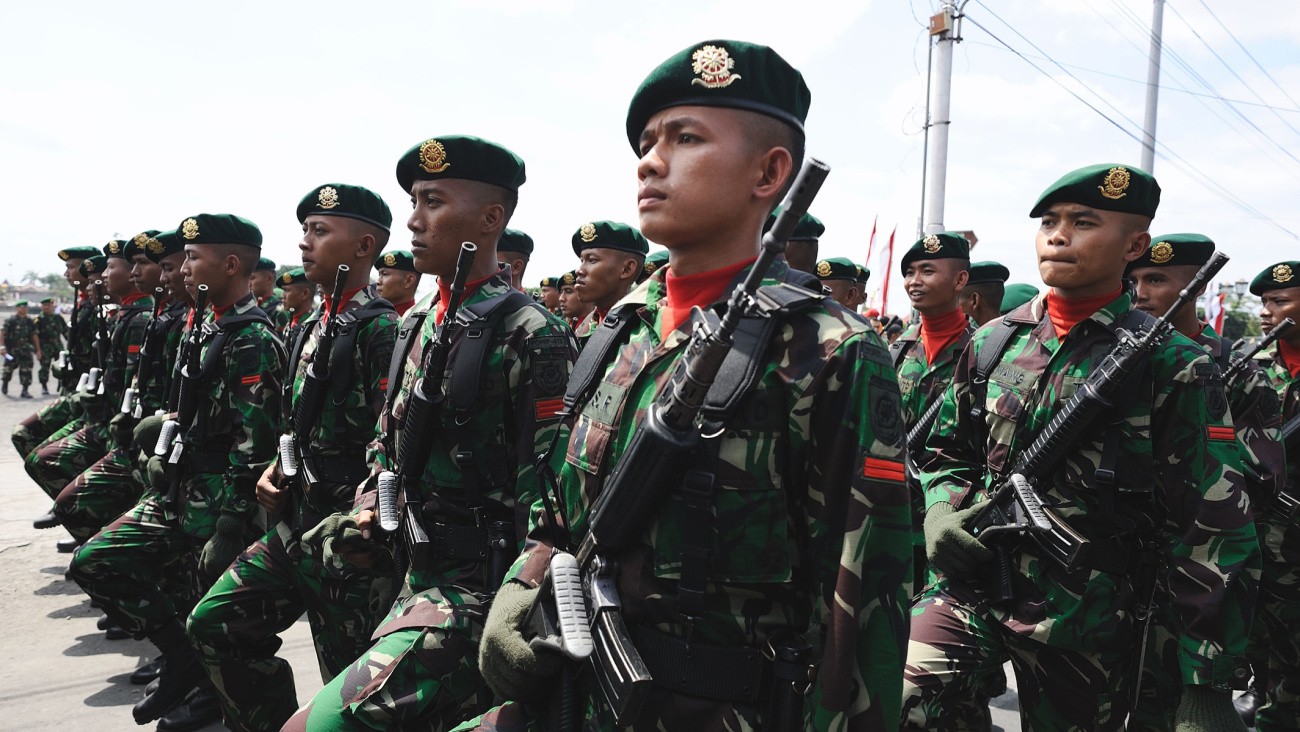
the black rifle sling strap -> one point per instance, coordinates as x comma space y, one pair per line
475, 326
408, 333
898, 350
219, 332
351, 324
598, 353
291, 366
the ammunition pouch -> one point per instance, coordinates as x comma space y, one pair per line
206, 460
723, 673
335, 469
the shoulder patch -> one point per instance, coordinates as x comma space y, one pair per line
886, 411
1216, 399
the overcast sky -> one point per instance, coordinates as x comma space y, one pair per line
119, 117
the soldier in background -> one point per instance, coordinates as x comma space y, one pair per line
1015, 295
51, 329
572, 308
262, 284
846, 281
981, 298
299, 300
610, 256
550, 294
801, 251
21, 342
654, 261
398, 279
515, 249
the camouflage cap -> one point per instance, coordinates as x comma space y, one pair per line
987, 272
1015, 295
167, 244
78, 253
514, 240
609, 235
92, 265
841, 268
655, 261
809, 228
1108, 187
721, 73
1281, 276
944, 245
341, 199
295, 276
220, 229
460, 157
1173, 250
116, 248
397, 259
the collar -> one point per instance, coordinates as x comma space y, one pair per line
1067, 313
681, 293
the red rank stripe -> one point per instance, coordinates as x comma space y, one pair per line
882, 469
383, 383
250, 380
132, 349
1221, 433
548, 408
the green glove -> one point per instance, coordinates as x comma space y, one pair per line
122, 429
225, 544
1205, 709
145, 434
510, 667
156, 470
337, 545
949, 546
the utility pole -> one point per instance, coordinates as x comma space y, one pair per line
943, 28
1153, 89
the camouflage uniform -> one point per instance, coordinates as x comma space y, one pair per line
1068, 634
18, 332
422, 670
231, 443
51, 329
811, 528
272, 306
271, 584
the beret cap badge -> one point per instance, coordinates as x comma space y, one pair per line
823, 269
1162, 252
567, 278
932, 244
1116, 182
63, 254
390, 259
587, 233
650, 267
433, 157
114, 247
1283, 273
712, 65
190, 229
328, 197
286, 278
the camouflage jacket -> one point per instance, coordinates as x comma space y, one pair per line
272, 306
585, 327
51, 329
811, 527
129, 324
512, 421
919, 381
1287, 388
81, 336
288, 325
354, 399
1178, 477
18, 332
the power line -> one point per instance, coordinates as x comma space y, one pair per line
1249, 55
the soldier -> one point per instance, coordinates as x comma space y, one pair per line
572, 308
1278, 288
1015, 295
262, 283
299, 301
514, 249
550, 294
801, 252
334, 416
205, 504
20, 343
398, 279
610, 257
806, 534
507, 371
981, 299
845, 280
51, 329
1156, 480
654, 261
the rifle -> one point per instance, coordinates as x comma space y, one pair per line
94, 381
1287, 503
423, 408
143, 373
172, 438
63, 363
1239, 364
654, 464
922, 427
311, 400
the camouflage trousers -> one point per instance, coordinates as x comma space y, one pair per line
235, 626
1278, 627
37, 427
47, 361
22, 361
415, 678
954, 667
63, 457
100, 494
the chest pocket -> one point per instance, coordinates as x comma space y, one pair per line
1006, 394
593, 432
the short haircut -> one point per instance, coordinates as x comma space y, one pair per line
488, 194
359, 228
992, 292
248, 256
765, 133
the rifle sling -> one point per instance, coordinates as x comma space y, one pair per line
476, 324
351, 324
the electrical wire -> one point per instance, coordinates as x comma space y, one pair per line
1249, 55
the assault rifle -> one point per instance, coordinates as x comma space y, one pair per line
93, 381
1238, 365
63, 364
423, 409
576, 612
172, 438
921, 429
1287, 503
311, 400
139, 380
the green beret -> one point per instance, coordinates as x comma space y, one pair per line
92, 265
460, 157
20, 304
654, 261
840, 268
809, 228
944, 245
140, 243
1281, 276
116, 248
163, 244
77, 253
397, 259
1107, 187
295, 276
513, 240
609, 235
341, 199
1173, 250
220, 229
987, 272
719, 73
1017, 294
264, 265
550, 282
568, 278
46, 299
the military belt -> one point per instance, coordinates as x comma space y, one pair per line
723, 673
346, 468
206, 461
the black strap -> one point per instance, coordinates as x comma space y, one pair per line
351, 324
898, 350
598, 353
291, 366
226, 327
476, 325
407, 335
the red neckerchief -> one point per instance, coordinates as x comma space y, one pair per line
681, 293
941, 331
293, 319
217, 312
132, 298
444, 295
402, 307
1290, 357
1067, 313
328, 302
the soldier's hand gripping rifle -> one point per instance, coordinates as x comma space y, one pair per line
1239, 364
1014, 508
172, 438
143, 374
423, 409
653, 465
311, 400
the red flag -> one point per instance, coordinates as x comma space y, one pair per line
871, 243
889, 265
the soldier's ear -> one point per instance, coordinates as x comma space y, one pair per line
365, 248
